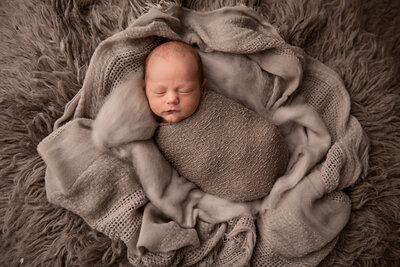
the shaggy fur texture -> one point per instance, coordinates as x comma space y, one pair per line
44, 54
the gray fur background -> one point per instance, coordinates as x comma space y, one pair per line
45, 49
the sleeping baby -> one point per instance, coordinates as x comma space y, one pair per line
224, 148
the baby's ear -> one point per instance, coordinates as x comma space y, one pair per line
202, 87
203, 84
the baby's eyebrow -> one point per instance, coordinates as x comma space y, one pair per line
158, 86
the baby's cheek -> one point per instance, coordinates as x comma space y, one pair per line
194, 104
155, 107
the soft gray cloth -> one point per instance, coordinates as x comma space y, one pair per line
225, 149
109, 193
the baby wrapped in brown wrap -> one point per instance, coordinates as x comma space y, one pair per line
225, 149
221, 146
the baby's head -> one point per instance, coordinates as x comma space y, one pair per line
174, 81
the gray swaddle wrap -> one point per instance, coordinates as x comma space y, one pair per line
225, 149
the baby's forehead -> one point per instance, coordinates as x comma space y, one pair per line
174, 48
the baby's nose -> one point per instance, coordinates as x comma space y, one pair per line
172, 98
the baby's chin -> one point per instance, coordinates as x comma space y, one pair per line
171, 119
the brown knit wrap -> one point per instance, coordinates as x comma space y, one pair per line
225, 149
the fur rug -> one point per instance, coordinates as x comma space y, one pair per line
45, 48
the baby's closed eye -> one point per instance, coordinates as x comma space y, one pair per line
159, 91
185, 90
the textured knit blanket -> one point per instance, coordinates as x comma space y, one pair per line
246, 60
225, 149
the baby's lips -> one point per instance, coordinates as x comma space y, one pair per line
170, 111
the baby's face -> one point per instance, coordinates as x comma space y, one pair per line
173, 86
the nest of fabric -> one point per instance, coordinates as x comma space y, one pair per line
24, 166
296, 231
